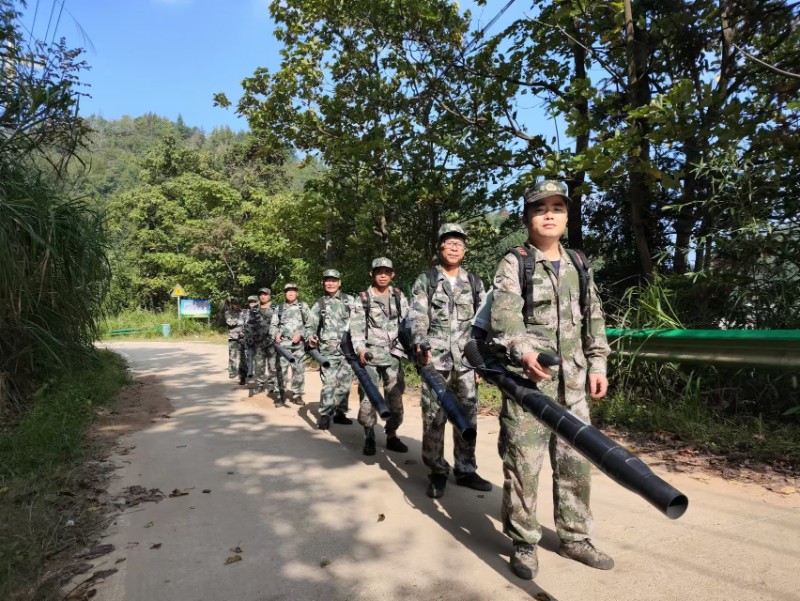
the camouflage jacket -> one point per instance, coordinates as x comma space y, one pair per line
235, 323
266, 313
377, 332
556, 316
335, 323
256, 330
446, 322
288, 320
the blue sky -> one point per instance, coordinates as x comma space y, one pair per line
170, 56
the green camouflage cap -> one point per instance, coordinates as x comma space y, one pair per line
290, 286
265, 291
331, 273
545, 189
452, 229
382, 262
252, 298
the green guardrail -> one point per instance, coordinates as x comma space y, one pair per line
778, 349
164, 328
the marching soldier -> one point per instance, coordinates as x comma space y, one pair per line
374, 327
329, 320
287, 329
237, 364
266, 366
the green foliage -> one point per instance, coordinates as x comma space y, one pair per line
148, 324
53, 267
40, 458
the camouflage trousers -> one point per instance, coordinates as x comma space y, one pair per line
237, 362
336, 383
394, 385
522, 444
266, 367
297, 384
434, 419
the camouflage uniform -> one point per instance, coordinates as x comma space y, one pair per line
523, 440
445, 324
266, 364
338, 378
289, 320
377, 333
236, 358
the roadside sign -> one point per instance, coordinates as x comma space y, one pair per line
178, 291
196, 308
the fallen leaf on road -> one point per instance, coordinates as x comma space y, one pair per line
132, 545
206, 491
179, 492
324, 563
236, 549
181, 446
233, 559
149, 524
230, 473
786, 490
139, 494
156, 546
98, 551
481, 496
381, 517
102, 574
120, 560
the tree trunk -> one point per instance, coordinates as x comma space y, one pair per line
638, 95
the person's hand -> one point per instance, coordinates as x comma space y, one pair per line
297, 338
423, 357
598, 385
362, 358
533, 370
313, 341
278, 338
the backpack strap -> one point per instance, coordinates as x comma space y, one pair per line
397, 303
527, 265
433, 280
365, 304
583, 266
475, 283
280, 314
322, 304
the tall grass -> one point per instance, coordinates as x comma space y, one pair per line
148, 324
53, 277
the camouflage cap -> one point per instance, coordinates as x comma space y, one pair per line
331, 273
290, 286
252, 298
545, 189
265, 291
382, 262
452, 229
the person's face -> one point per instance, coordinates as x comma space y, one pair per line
331, 285
452, 250
547, 219
291, 295
252, 304
264, 298
382, 276
236, 306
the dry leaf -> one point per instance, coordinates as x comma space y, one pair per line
102, 574
156, 546
787, 490
120, 560
233, 559
98, 551
206, 491
149, 524
324, 563
381, 517
179, 492
236, 549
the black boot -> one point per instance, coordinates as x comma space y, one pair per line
341, 418
324, 422
474, 481
436, 485
395, 444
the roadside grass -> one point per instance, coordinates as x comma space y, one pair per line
43, 510
148, 325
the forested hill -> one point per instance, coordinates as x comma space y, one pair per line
220, 213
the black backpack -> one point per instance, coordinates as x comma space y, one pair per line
527, 265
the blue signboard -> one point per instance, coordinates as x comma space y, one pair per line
193, 307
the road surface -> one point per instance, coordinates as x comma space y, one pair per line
315, 519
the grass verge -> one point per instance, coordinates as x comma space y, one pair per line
149, 324
42, 510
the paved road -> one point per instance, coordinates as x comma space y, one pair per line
304, 507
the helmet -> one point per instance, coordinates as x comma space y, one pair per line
452, 229
331, 273
382, 262
545, 189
